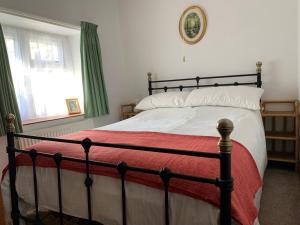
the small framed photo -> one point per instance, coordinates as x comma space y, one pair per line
73, 106
192, 24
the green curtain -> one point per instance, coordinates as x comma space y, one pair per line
95, 97
8, 100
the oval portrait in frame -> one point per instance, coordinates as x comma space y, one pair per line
192, 24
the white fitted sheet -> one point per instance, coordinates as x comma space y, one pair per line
145, 204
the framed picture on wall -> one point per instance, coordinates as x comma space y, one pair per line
192, 24
73, 106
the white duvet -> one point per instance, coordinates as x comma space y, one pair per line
144, 204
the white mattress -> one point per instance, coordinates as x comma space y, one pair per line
145, 204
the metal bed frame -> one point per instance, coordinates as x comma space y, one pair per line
258, 82
224, 182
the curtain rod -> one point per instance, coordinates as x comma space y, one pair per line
38, 18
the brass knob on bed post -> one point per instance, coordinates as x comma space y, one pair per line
149, 76
258, 66
225, 127
10, 121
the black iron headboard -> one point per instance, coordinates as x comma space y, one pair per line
258, 81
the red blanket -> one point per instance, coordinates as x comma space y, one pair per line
244, 171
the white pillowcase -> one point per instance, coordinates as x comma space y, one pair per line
163, 100
233, 96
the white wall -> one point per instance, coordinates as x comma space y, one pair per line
238, 34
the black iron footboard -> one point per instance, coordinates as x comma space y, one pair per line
224, 181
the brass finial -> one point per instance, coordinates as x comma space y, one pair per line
225, 127
149, 76
10, 119
258, 66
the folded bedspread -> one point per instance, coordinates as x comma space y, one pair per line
246, 176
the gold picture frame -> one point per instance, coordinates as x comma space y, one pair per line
73, 106
193, 24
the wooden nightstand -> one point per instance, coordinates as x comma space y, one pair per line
282, 131
127, 111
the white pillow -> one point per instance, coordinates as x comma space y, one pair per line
233, 96
163, 100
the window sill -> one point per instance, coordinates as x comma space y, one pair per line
50, 118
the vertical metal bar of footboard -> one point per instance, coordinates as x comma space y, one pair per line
122, 168
86, 144
149, 83
165, 175
33, 155
225, 128
12, 169
57, 159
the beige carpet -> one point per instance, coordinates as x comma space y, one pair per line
280, 203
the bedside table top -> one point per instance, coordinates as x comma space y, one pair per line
127, 110
292, 104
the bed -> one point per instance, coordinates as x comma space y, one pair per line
37, 186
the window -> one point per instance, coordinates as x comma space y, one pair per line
43, 72
44, 52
